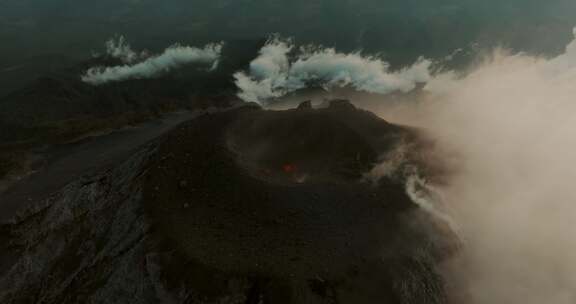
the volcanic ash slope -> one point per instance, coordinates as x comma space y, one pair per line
241, 206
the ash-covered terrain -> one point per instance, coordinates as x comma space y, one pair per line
237, 206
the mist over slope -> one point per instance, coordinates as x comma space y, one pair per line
507, 130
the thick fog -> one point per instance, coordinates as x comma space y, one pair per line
506, 128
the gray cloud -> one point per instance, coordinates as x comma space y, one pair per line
273, 74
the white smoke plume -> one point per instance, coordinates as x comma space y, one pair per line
429, 200
118, 47
273, 74
508, 127
397, 164
172, 58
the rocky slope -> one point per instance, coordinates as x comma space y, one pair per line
241, 206
58, 107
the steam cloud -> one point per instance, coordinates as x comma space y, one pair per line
508, 128
273, 74
172, 58
118, 47
397, 164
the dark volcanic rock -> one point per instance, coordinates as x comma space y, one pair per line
244, 206
343, 104
305, 105
62, 107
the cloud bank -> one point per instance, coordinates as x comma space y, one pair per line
172, 58
273, 74
508, 128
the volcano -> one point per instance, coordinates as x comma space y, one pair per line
241, 205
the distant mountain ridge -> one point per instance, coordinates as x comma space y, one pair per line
401, 30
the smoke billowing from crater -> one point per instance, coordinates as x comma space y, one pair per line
280, 70
508, 127
172, 58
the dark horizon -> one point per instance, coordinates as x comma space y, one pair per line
43, 36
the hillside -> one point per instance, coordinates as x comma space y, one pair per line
237, 206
